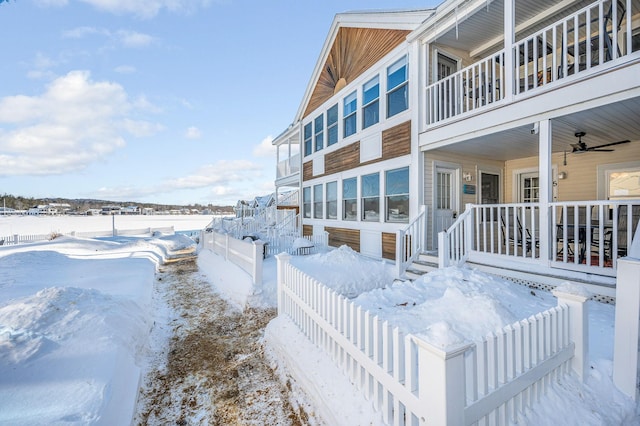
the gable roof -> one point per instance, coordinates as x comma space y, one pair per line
356, 41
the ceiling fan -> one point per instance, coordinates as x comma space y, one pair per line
581, 147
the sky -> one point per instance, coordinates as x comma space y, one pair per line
158, 101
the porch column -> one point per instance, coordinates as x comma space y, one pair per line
546, 193
509, 40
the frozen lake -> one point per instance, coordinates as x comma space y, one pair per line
25, 225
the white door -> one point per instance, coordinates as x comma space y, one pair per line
445, 199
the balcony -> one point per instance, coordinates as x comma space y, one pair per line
591, 40
288, 167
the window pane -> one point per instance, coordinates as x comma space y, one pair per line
397, 181
370, 185
350, 209
332, 125
332, 115
349, 195
350, 104
332, 191
317, 201
371, 209
397, 73
398, 208
371, 91
624, 185
370, 114
397, 101
349, 188
307, 139
306, 202
318, 125
350, 125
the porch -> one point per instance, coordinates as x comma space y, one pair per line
511, 51
583, 241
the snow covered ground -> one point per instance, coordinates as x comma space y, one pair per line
75, 316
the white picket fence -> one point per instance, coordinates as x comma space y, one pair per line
413, 382
248, 255
32, 238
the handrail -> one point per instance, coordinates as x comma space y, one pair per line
410, 242
454, 243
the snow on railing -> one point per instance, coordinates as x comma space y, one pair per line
409, 380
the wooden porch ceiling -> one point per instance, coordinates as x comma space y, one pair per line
609, 123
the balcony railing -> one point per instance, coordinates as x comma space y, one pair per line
590, 38
288, 167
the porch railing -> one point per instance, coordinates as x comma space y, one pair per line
411, 241
584, 236
589, 38
466, 90
288, 166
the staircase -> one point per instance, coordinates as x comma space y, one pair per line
423, 264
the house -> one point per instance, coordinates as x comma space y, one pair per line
502, 133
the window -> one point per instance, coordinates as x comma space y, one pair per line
318, 125
349, 113
370, 185
370, 102
349, 199
332, 200
306, 202
397, 100
397, 195
317, 201
307, 140
332, 125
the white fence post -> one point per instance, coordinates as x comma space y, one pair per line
400, 258
258, 255
578, 329
625, 349
282, 260
443, 249
441, 384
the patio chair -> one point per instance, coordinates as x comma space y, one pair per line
622, 226
528, 242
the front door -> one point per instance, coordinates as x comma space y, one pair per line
445, 199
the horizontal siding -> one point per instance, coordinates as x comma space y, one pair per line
396, 141
307, 230
389, 245
343, 236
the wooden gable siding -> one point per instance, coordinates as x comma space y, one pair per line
342, 236
354, 51
389, 245
396, 142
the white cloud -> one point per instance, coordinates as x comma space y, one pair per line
75, 121
134, 39
142, 128
125, 69
226, 180
146, 8
265, 148
81, 32
224, 172
193, 133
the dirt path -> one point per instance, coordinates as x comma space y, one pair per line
207, 365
